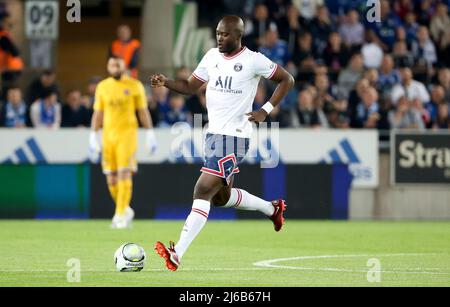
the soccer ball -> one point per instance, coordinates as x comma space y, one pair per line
129, 257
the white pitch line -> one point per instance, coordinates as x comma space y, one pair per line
269, 263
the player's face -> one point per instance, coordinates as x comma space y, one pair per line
116, 67
227, 41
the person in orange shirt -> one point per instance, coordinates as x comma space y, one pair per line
11, 65
126, 48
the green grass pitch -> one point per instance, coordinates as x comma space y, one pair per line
304, 253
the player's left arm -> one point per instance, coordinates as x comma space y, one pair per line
285, 83
145, 118
146, 122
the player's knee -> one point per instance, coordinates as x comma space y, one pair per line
203, 191
124, 175
220, 199
112, 179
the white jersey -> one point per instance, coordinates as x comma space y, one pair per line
232, 84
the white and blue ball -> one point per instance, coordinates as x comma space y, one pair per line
129, 257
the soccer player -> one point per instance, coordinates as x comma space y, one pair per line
232, 73
117, 99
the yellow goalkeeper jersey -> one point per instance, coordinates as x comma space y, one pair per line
119, 100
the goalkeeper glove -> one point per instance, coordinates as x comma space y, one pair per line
151, 141
94, 146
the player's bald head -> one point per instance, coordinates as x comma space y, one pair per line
229, 34
233, 24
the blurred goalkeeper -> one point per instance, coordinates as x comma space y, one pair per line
117, 100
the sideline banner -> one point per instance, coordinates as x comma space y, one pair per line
420, 157
268, 147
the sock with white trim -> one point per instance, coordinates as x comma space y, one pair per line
194, 223
242, 200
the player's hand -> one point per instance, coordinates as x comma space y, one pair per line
158, 80
257, 116
151, 141
94, 146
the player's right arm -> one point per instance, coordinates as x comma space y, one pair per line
96, 122
186, 87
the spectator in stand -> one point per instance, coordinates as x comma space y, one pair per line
443, 117
290, 27
356, 96
367, 111
424, 11
444, 80
336, 55
403, 7
409, 87
405, 117
46, 111
306, 115
423, 49
236, 7
349, 76
388, 76
14, 112
400, 35
160, 99
89, 98
371, 51
256, 28
339, 8
372, 76
320, 28
402, 56
177, 112
42, 85
126, 48
325, 93
74, 113
411, 27
418, 107
385, 30
320, 68
277, 8
440, 32
304, 57
274, 48
338, 117
308, 8
352, 30
437, 98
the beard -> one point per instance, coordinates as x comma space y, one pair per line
228, 47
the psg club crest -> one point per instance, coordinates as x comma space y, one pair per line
238, 67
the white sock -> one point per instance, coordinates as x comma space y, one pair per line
242, 200
194, 223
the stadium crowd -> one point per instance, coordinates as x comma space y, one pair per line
349, 72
